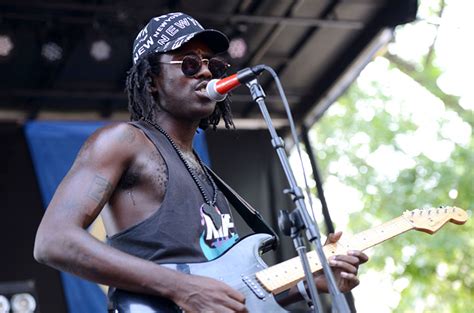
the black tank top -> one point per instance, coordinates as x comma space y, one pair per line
179, 231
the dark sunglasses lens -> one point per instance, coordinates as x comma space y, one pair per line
217, 68
191, 65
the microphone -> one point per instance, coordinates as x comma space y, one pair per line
217, 89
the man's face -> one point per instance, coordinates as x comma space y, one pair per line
181, 96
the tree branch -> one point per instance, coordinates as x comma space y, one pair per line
428, 80
430, 54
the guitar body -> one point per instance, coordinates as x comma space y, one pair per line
236, 267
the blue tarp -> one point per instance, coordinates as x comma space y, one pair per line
54, 146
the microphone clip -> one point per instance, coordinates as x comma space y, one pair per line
256, 90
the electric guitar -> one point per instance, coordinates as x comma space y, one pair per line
242, 268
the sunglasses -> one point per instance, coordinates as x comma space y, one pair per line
191, 65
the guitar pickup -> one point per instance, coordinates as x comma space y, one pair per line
254, 286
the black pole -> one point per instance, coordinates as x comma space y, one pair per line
317, 179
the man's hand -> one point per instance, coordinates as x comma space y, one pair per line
203, 294
344, 267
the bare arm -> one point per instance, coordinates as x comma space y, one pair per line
62, 241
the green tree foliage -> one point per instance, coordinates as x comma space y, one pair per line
362, 142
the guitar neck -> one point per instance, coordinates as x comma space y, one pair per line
282, 276
378, 234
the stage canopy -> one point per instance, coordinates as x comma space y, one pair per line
68, 59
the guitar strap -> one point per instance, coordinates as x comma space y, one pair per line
251, 216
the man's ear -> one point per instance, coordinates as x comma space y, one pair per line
151, 87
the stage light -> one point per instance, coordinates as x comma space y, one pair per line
100, 50
23, 303
18, 297
6, 45
4, 304
237, 48
52, 51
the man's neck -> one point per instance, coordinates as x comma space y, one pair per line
182, 132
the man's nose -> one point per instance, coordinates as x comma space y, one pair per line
204, 71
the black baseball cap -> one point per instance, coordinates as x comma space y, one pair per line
170, 31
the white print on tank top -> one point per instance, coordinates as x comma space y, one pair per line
215, 241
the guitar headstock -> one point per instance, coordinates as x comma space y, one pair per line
432, 219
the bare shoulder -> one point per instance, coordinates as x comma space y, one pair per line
117, 134
116, 142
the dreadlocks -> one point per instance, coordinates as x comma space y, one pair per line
142, 104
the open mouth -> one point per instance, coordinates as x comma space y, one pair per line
201, 89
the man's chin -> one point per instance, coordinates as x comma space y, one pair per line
207, 107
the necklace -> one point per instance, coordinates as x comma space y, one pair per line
208, 205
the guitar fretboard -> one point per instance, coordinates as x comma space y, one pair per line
379, 234
286, 274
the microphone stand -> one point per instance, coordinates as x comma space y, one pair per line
299, 218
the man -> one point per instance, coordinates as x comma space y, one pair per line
161, 199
